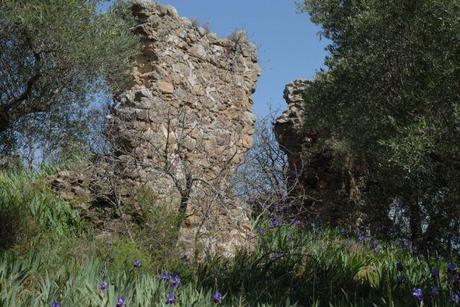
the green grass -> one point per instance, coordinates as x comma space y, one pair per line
327, 269
49, 254
28, 209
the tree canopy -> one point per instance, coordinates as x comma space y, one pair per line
55, 56
389, 100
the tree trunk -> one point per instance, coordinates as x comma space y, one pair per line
415, 220
4, 120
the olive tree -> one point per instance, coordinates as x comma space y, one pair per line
389, 100
58, 60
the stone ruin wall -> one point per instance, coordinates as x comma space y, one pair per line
192, 89
315, 185
310, 177
292, 139
289, 127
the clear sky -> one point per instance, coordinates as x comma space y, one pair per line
289, 46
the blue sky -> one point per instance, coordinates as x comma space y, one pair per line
289, 46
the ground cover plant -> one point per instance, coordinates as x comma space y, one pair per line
296, 263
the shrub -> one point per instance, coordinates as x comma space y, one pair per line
26, 204
124, 253
159, 232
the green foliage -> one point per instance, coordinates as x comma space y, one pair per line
123, 254
58, 260
326, 269
158, 232
56, 57
390, 98
310, 268
20, 285
27, 205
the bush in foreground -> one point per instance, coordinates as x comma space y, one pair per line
59, 261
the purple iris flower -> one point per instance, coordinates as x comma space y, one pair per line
121, 300
451, 267
400, 279
417, 293
165, 276
375, 246
362, 238
217, 297
278, 207
137, 263
103, 285
184, 257
274, 223
170, 299
297, 223
434, 291
435, 273
406, 244
454, 278
174, 282
456, 298
55, 304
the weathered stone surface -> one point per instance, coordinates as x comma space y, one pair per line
165, 87
315, 185
289, 126
188, 115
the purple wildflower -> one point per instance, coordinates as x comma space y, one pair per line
454, 278
165, 276
217, 297
103, 285
400, 279
434, 291
451, 267
174, 282
375, 246
297, 223
260, 230
456, 298
417, 293
170, 299
137, 263
406, 244
184, 257
121, 300
362, 237
274, 223
278, 207
434, 273
55, 303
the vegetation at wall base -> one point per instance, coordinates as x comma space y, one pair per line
294, 264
